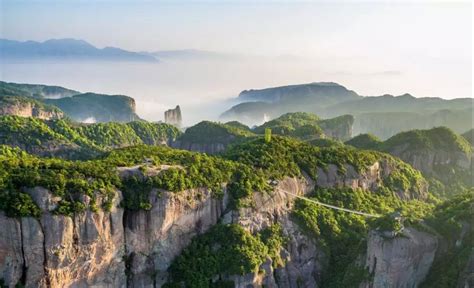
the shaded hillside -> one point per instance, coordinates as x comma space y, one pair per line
439, 153
323, 92
211, 137
385, 125
65, 49
37, 101
469, 136
383, 116
307, 126
365, 141
405, 103
35, 90
92, 107
452, 266
65, 139
258, 105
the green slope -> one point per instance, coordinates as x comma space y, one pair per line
66, 139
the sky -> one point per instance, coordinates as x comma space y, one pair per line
421, 48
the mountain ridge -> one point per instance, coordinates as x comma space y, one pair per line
329, 99
68, 49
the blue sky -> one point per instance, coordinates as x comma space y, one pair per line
430, 41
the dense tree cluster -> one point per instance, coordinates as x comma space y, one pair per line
66, 139
223, 251
213, 132
247, 166
343, 235
450, 219
295, 156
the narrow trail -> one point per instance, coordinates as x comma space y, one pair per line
332, 206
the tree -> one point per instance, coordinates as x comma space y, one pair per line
268, 135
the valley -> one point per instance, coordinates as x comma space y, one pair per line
124, 202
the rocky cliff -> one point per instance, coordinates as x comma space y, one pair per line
58, 251
134, 248
173, 116
53, 102
208, 148
371, 179
304, 260
92, 107
439, 153
24, 107
118, 248
339, 128
109, 249
401, 261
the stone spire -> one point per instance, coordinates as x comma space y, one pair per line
173, 116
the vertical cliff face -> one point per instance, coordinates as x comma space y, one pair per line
431, 162
106, 249
29, 108
58, 251
173, 116
303, 259
154, 238
371, 179
134, 248
339, 127
208, 148
402, 261
92, 107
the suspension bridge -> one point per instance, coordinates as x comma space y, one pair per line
332, 206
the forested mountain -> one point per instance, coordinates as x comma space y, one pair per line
469, 136
383, 116
283, 204
66, 139
97, 107
439, 153
212, 138
232, 218
53, 102
35, 90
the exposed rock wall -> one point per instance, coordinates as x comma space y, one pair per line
427, 161
135, 248
370, 179
103, 249
303, 259
91, 107
59, 251
30, 109
173, 116
466, 278
338, 128
208, 148
154, 238
402, 261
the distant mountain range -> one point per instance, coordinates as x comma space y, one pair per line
66, 49
383, 115
75, 49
